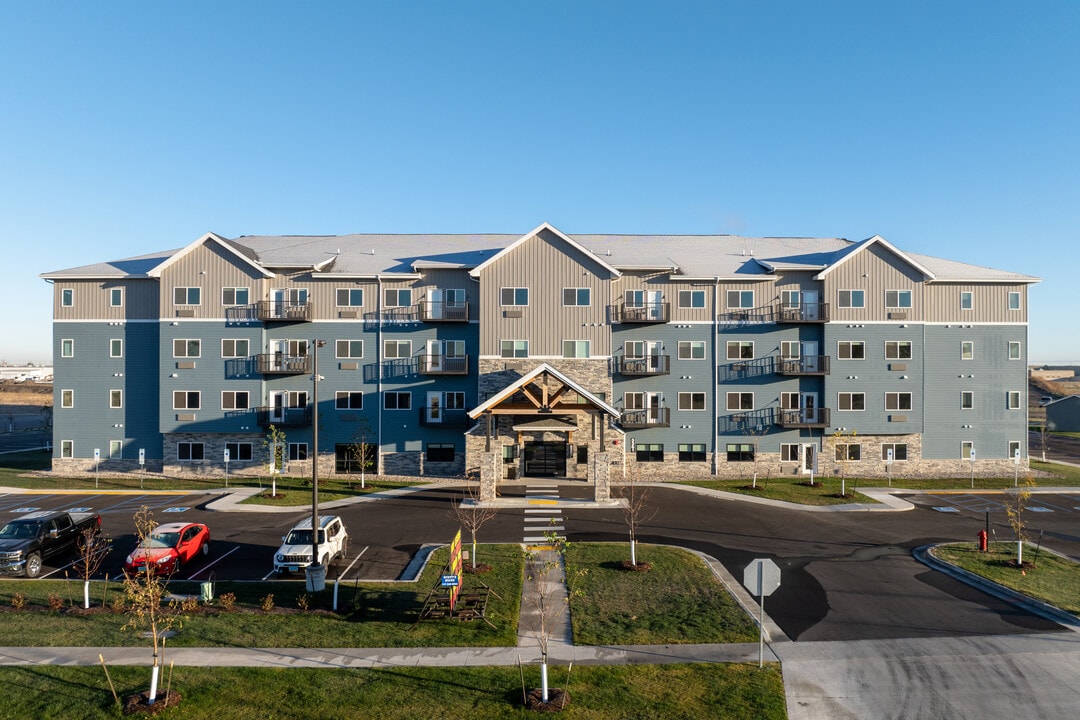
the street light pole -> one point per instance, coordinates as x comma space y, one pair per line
316, 573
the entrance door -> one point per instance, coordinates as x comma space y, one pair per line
545, 459
809, 351
278, 403
434, 407
810, 309
808, 407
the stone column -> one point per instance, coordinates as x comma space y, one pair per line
601, 477
489, 478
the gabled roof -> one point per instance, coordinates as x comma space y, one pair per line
229, 247
844, 255
475, 272
524, 380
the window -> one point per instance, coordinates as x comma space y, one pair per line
966, 300
116, 297
234, 348
67, 448
397, 349
1014, 449
740, 299
851, 350
454, 400
740, 401
693, 298
116, 448
297, 451
67, 398
693, 400
967, 450
116, 399
234, 400
186, 400
851, 452
967, 350
1014, 304
967, 400
691, 452
1014, 350
898, 401
514, 348
509, 453
789, 298
440, 452
350, 297
576, 297
789, 401
513, 296
789, 452
898, 350
898, 450
187, 296
649, 452
239, 451
582, 454
349, 348
740, 452
400, 297
897, 298
186, 348
575, 348
234, 296
116, 348
850, 298
349, 400
789, 348
401, 400
740, 350
851, 401
1013, 399
189, 451
691, 349
67, 297
67, 348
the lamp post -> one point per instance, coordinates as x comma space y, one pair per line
316, 573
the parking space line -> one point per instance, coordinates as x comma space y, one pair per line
212, 564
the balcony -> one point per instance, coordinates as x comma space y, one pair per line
442, 311
283, 416
441, 417
659, 312
648, 365
804, 365
281, 364
651, 417
443, 364
802, 313
813, 418
282, 311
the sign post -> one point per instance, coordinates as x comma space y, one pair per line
888, 464
1016, 469
761, 577
455, 570
97, 461
226, 467
142, 466
972, 457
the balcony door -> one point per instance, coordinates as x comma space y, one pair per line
810, 308
808, 407
809, 350
434, 407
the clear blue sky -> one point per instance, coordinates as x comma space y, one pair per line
949, 128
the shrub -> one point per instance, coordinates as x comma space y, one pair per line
118, 604
18, 601
303, 601
267, 603
55, 602
227, 601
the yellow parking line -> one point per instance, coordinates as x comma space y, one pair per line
92, 491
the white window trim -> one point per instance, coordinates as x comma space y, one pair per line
234, 289
850, 344
970, 393
1009, 395
120, 396
692, 394
185, 341
738, 394
116, 340
851, 298
70, 343
187, 294
235, 393
338, 356
70, 396
576, 290
897, 394
852, 394
111, 293
234, 341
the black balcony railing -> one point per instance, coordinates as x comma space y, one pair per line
283, 416
443, 364
443, 311
282, 364
815, 418
282, 311
648, 365
802, 313
651, 417
804, 365
657, 312
441, 417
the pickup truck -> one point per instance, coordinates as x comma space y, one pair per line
28, 541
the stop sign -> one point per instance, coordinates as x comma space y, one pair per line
761, 577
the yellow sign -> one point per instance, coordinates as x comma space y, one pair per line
455, 567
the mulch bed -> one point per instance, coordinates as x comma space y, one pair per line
558, 700
640, 567
140, 703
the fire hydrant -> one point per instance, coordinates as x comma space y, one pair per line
982, 541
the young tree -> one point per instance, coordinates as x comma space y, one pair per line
145, 593
91, 547
471, 513
361, 451
755, 433
1015, 504
637, 511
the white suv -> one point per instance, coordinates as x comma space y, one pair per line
295, 552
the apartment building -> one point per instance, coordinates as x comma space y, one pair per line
664, 356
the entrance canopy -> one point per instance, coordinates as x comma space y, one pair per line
544, 391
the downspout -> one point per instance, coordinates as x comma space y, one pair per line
378, 375
715, 374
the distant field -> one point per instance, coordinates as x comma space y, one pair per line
36, 394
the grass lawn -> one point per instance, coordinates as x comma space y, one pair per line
678, 601
1047, 577
370, 614
643, 692
293, 491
